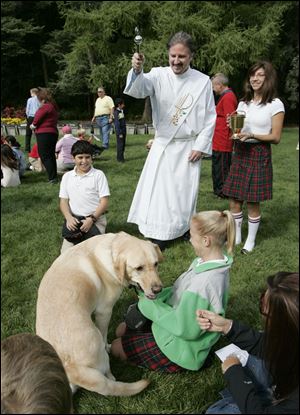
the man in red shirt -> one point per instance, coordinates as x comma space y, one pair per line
222, 143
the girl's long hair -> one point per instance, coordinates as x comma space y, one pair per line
281, 348
8, 157
44, 94
269, 87
12, 141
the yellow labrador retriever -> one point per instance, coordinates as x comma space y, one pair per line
89, 278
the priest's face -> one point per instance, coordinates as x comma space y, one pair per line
180, 58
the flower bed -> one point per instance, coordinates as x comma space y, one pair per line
13, 121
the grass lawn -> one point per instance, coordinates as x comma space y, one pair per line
31, 240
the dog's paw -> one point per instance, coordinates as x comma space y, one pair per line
108, 347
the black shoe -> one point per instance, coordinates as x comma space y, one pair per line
53, 181
219, 195
186, 236
162, 244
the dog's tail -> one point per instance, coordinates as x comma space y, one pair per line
93, 380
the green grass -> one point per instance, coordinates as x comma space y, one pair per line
31, 240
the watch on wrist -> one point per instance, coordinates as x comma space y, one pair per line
94, 219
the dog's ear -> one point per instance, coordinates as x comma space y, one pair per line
158, 251
119, 266
118, 258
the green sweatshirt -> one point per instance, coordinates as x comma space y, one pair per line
175, 329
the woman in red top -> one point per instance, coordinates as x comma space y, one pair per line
45, 127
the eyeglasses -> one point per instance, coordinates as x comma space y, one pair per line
258, 75
100, 91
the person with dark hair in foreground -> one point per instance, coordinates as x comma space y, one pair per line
269, 383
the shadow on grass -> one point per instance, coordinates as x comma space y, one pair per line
275, 220
115, 227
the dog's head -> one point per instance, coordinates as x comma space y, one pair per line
135, 262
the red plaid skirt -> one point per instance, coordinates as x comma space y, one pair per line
142, 350
251, 175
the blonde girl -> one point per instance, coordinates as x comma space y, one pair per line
171, 340
81, 134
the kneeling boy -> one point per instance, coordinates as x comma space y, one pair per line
84, 192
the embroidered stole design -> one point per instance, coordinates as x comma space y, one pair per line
183, 103
178, 112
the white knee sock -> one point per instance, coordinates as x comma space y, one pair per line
253, 225
238, 218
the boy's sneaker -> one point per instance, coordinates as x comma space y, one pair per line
53, 181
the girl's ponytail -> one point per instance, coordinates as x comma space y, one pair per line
230, 228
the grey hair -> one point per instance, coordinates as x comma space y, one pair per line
223, 79
184, 38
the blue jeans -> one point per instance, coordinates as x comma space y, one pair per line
104, 126
257, 371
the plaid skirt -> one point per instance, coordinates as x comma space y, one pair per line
251, 175
141, 350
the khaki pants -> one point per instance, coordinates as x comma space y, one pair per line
101, 225
62, 167
36, 164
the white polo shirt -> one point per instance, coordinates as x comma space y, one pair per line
84, 192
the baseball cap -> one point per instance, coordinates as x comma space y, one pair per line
66, 129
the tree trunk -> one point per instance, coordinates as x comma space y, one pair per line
89, 104
90, 58
147, 114
44, 66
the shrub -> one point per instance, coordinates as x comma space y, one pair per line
12, 112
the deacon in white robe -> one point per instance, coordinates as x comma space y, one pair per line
183, 113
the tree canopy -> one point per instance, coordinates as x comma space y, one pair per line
73, 47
